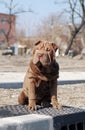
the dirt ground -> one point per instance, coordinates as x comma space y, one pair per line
68, 95
71, 94
20, 63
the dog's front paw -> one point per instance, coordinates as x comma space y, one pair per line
57, 105
32, 105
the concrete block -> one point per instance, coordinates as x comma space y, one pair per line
27, 122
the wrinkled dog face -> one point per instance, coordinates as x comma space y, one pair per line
44, 53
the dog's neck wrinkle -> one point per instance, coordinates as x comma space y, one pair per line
44, 73
34, 67
37, 72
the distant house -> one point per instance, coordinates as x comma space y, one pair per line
7, 28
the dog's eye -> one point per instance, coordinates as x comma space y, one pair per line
47, 49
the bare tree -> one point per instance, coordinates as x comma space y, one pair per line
75, 12
13, 10
83, 36
50, 27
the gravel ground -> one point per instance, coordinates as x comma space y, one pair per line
68, 95
71, 94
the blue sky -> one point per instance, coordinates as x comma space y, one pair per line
41, 8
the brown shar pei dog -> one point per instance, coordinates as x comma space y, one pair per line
40, 83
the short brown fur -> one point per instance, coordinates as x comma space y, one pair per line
40, 83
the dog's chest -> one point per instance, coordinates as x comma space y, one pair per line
43, 88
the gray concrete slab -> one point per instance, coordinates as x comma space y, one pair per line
27, 122
15, 80
7, 77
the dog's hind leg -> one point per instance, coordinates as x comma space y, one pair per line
22, 99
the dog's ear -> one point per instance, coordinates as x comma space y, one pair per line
55, 47
37, 43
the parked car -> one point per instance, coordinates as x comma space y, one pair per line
7, 51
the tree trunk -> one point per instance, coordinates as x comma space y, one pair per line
70, 43
73, 37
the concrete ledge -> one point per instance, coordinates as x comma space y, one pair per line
15, 79
27, 122
13, 85
16, 85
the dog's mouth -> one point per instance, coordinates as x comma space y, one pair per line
45, 60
